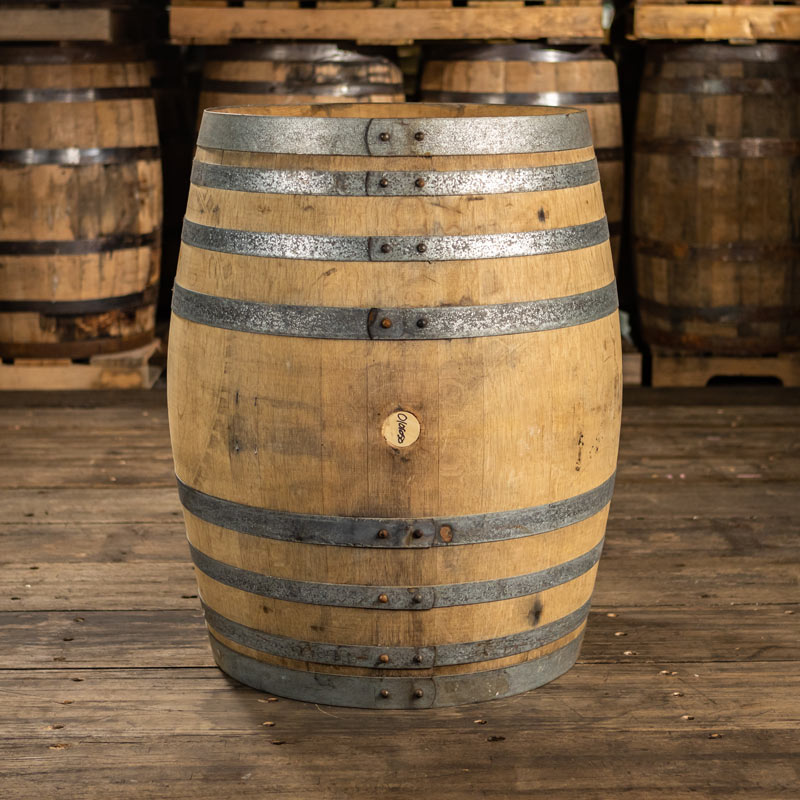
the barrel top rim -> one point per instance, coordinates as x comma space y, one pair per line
393, 111
395, 129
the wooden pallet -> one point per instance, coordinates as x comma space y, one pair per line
683, 370
373, 23
126, 370
75, 21
726, 20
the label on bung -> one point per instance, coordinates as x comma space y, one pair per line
400, 428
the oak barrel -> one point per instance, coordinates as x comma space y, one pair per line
537, 74
80, 194
298, 72
715, 199
394, 392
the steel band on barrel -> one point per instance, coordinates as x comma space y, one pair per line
393, 598
392, 693
224, 130
554, 98
77, 156
312, 247
380, 657
72, 247
727, 251
303, 54
394, 184
519, 51
392, 324
87, 95
732, 315
715, 85
707, 147
393, 532
342, 88
71, 308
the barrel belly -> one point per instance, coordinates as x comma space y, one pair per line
715, 215
80, 178
394, 390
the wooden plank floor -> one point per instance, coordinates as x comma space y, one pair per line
688, 684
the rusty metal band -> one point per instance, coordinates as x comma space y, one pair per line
731, 315
74, 95
339, 88
380, 183
77, 156
348, 655
521, 98
703, 147
89, 54
72, 308
394, 598
395, 693
296, 53
716, 53
425, 136
79, 247
394, 324
394, 532
730, 251
779, 86
313, 247
605, 154
519, 51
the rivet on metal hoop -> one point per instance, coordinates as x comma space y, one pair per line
383, 658
419, 693
417, 659
417, 598
383, 533
418, 534
422, 247
383, 182
384, 692
422, 323
386, 323
382, 598
384, 137
419, 182
419, 136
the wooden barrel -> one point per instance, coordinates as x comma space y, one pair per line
716, 199
523, 73
394, 391
80, 182
283, 72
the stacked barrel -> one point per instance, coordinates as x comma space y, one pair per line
715, 202
538, 74
80, 181
269, 73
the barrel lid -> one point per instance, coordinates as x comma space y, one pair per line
395, 129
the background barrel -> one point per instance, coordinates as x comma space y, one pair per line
383, 507
715, 200
279, 72
536, 74
80, 188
